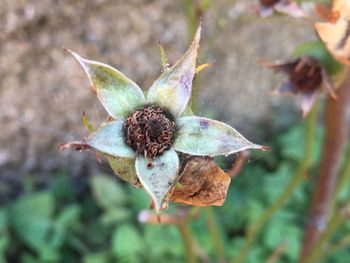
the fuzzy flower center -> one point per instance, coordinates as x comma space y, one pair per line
306, 75
268, 3
149, 131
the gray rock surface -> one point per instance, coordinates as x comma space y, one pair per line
43, 91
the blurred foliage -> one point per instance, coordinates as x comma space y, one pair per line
71, 221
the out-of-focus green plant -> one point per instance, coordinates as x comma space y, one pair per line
98, 224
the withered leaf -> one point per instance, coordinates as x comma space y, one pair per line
335, 32
202, 183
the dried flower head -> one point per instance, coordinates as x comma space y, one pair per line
142, 140
305, 77
266, 8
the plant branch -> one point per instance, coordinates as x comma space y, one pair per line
317, 251
215, 235
238, 164
335, 138
341, 244
277, 253
304, 166
336, 220
183, 227
343, 177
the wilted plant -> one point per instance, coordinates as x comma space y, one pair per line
152, 140
305, 77
266, 8
147, 132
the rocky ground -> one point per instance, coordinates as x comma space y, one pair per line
43, 91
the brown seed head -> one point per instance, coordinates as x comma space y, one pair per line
306, 75
149, 131
268, 3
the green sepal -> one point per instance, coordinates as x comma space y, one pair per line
124, 168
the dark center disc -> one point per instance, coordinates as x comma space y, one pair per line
268, 3
149, 131
306, 75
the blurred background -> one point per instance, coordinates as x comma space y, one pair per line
61, 206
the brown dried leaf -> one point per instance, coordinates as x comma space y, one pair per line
201, 183
335, 33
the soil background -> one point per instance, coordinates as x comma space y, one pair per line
43, 91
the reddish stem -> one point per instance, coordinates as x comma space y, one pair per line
334, 142
238, 164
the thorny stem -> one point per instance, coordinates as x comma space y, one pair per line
215, 234
183, 226
304, 166
335, 138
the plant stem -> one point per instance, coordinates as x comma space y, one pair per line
277, 253
317, 252
343, 177
335, 138
304, 166
193, 14
187, 241
238, 164
336, 220
339, 245
215, 235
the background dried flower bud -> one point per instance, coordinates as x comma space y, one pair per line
306, 75
289, 7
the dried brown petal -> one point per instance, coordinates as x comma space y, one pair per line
202, 183
335, 33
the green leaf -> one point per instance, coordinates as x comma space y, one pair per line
127, 242
280, 177
202, 136
28, 258
68, 216
115, 215
139, 199
292, 144
62, 188
107, 191
4, 236
118, 94
279, 231
172, 89
124, 168
49, 254
158, 176
30, 217
109, 139
169, 246
95, 258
